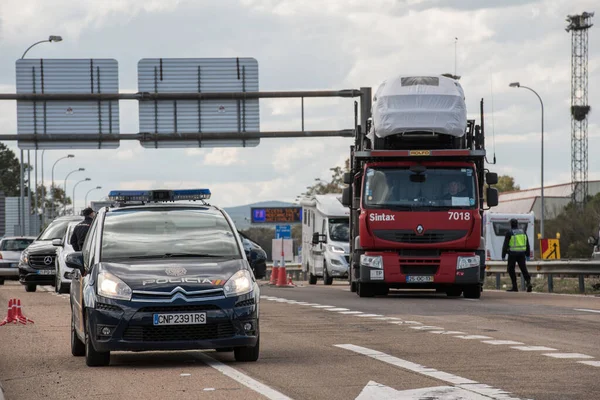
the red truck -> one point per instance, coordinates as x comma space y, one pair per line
416, 201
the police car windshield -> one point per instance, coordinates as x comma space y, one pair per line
166, 232
434, 188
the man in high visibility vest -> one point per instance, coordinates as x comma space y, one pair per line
516, 245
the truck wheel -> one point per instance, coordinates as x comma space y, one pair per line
312, 279
472, 292
382, 290
364, 290
327, 280
454, 292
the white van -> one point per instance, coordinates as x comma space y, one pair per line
495, 226
325, 238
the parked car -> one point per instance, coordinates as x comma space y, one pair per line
256, 256
63, 246
37, 265
10, 253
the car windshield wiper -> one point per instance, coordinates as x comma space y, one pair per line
179, 255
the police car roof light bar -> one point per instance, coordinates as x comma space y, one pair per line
159, 195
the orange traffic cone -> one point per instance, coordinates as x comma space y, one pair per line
9, 315
290, 283
274, 275
281, 281
19, 314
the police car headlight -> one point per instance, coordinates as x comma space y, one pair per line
371, 261
467, 262
240, 283
112, 287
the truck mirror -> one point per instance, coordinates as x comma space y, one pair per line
348, 178
346, 197
315, 238
492, 196
491, 178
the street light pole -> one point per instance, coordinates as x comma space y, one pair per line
51, 38
88, 192
518, 85
52, 187
83, 180
65, 189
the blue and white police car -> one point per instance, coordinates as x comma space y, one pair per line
162, 270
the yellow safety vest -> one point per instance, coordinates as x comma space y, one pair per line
518, 241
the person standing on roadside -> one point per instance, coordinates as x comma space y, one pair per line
82, 228
516, 245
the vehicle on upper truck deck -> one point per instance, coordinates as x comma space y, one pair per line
416, 192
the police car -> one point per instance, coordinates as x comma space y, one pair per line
162, 270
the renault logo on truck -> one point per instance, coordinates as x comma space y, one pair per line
420, 229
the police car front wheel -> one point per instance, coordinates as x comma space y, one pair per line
247, 354
94, 358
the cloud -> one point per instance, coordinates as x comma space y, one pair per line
226, 156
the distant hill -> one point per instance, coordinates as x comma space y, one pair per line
241, 214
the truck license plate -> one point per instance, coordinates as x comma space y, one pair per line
377, 275
180, 319
419, 279
46, 272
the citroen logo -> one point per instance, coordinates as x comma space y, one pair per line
420, 229
175, 271
48, 260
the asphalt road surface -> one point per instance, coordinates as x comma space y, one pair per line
323, 342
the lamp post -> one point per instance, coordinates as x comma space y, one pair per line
65, 189
51, 38
52, 187
83, 180
518, 85
88, 192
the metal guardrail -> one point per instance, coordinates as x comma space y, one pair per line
580, 268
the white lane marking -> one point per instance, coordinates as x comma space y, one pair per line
311, 304
453, 333
396, 322
587, 310
471, 337
437, 332
460, 382
337, 309
533, 348
592, 363
242, 378
471, 299
567, 355
302, 303
323, 306
501, 342
426, 328
377, 391
369, 315
350, 312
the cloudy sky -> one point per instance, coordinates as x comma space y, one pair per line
314, 45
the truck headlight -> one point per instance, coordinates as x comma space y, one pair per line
112, 287
240, 283
336, 249
24, 258
371, 261
467, 262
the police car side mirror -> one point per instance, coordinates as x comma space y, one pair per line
346, 197
57, 242
75, 260
492, 196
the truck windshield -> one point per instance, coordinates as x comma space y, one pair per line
339, 229
434, 188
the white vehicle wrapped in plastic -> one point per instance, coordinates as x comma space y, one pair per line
432, 104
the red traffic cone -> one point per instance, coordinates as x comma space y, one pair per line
274, 275
290, 283
281, 281
9, 315
22, 319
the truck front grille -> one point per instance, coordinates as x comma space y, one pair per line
430, 236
